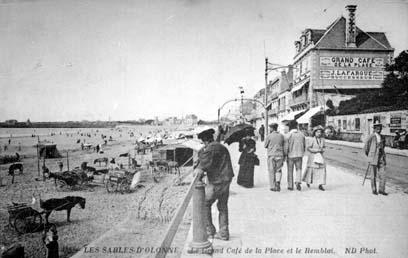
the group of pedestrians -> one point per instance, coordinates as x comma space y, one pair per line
291, 148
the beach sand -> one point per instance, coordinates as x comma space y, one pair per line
156, 202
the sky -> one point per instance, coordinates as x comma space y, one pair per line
129, 59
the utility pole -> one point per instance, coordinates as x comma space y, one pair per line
266, 97
267, 70
242, 102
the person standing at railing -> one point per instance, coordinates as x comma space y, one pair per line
214, 159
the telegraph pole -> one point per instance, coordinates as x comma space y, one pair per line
266, 97
242, 102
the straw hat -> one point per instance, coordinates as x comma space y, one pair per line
319, 127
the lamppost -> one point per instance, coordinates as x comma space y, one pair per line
267, 70
242, 102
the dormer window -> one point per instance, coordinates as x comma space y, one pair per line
297, 46
303, 40
309, 36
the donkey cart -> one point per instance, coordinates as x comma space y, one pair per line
119, 181
24, 219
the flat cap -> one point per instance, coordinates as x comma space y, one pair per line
206, 133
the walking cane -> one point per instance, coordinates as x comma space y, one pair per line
365, 177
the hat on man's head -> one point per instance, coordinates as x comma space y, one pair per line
204, 135
377, 124
316, 128
273, 126
293, 124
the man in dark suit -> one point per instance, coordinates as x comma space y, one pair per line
214, 159
374, 150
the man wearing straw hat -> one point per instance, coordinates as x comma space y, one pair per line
215, 160
374, 150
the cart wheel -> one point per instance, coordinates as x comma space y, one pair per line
124, 186
61, 185
11, 221
27, 221
111, 186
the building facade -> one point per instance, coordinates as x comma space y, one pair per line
338, 62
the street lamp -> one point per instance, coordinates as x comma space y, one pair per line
242, 101
267, 70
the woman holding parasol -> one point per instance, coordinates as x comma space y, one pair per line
247, 160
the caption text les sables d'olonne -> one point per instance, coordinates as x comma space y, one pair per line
230, 250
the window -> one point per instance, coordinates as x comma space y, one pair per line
357, 124
303, 40
344, 124
339, 123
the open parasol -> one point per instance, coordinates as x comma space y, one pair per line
236, 133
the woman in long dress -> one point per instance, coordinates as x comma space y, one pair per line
246, 161
316, 169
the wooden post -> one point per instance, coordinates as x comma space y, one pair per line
38, 156
67, 161
43, 169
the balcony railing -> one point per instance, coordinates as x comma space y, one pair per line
299, 100
273, 111
272, 97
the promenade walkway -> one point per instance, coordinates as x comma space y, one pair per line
311, 223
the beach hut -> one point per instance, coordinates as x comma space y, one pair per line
174, 152
48, 151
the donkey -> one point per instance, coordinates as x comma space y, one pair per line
59, 204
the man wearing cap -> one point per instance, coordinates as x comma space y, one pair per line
374, 150
215, 160
295, 146
274, 142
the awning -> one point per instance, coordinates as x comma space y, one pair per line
311, 112
299, 86
291, 115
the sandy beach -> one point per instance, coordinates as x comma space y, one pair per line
154, 201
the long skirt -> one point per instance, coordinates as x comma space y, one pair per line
246, 175
315, 175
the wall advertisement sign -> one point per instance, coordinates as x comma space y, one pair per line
395, 120
352, 62
351, 75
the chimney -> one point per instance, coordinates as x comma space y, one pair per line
351, 26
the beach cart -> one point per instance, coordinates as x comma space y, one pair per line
119, 181
23, 218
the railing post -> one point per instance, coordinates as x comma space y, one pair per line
200, 243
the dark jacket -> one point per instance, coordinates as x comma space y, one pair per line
215, 160
247, 157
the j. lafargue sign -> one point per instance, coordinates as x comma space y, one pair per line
351, 75
352, 62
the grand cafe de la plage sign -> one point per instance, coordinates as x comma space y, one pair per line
360, 68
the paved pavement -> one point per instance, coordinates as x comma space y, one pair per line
311, 223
